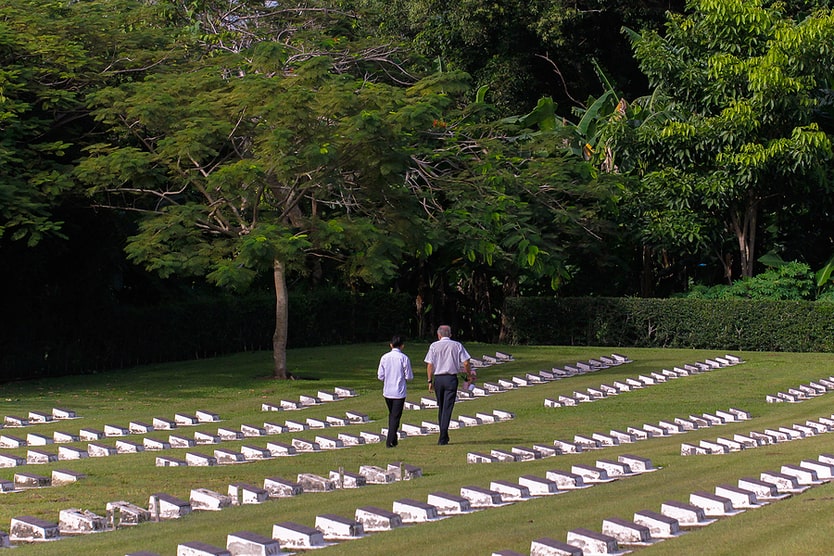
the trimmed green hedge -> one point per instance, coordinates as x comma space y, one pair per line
94, 338
799, 326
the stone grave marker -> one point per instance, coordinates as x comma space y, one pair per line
605, 440
165, 506
824, 471
538, 486
693, 450
78, 522
176, 441
115, 430
566, 447
586, 443
60, 437
15, 421
40, 457
33, 439
71, 452
546, 451
481, 498
296, 426
503, 455
627, 532
747, 442
375, 475
430, 426
11, 460
670, 428
510, 492
278, 487
208, 500
410, 430
328, 396
344, 392
90, 434
270, 407
591, 474
162, 424
62, 413
204, 416
739, 498
730, 445
6, 486
125, 514
622, 437
304, 445
334, 527
185, 419
411, 406
275, 428
637, 464
357, 417
197, 548
168, 461
660, 526
125, 447
376, 519
639, 434
279, 449
206, 438
763, 491
255, 453
687, 515
31, 529
565, 480
334, 421
246, 543
480, 457
139, 427
371, 437
428, 403
344, 479
804, 476
155, 445
713, 447
449, 504
315, 483
307, 400
224, 456
783, 483
350, 439
713, 505
524, 381
196, 459
414, 511
252, 431
100, 450
592, 542
818, 427
404, 471
525, 454
551, 547
10, 441
243, 493
227, 434
290, 405
614, 469
316, 423
61, 477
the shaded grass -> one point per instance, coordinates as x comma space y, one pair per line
235, 386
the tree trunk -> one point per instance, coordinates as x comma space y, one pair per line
279, 338
744, 227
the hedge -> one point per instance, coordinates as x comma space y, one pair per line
799, 326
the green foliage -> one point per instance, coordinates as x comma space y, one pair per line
789, 281
731, 324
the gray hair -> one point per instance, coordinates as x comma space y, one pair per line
444, 331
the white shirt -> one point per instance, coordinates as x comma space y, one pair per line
394, 370
446, 356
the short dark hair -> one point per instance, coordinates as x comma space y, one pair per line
397, 341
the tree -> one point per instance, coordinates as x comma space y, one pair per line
733, 129
279, 142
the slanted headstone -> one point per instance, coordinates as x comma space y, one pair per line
586, 443
510, 492
208, 500
6, 486
591, 474
747, 441
116, 430
480, 457
155, 445
168, 461
197, 548
670, 428
165, 506
622, 437
739, 498
243, 493
40, 457
328, 442
729, 445
63, 413
275, 428
371, 437
252, 431
278, 487
783, 483
824, 471
449, 504
246, 543
177, 441
279, 449
204, 416
227, 434
693, 450
639, 434
121, 513
196, 459
357, 417
405, 471
255, 453
660, 526
304, 445
15, 421
125, 447
503, 455
315, 483
545, 451
592, 542
307, 400
100, 450
637, 464
804, 476
10, 441
290, 404
60, 437
325, 396
225, 457
687, 515
503, 415
713, 447
538, 486
565, 447
296, 426
162, 424
61, 477
205, 438
90, 434
481, 497
78, 522
316, 423
605, 440
713, 505
350, 439
71, 452
614, 468
763, 491
185, 419
334, 421
414, 511
627, 532
565, 480
375, 475
551, 547
33, 439
345, 479
525, 454
29, 529
138, 427
11, 460
376, 519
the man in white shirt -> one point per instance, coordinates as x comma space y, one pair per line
394, 370
444, 361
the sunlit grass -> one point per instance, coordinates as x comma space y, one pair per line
236, 386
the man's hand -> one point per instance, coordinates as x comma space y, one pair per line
431, 387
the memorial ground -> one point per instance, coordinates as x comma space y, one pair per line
234, 388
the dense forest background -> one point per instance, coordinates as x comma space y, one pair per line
456, 154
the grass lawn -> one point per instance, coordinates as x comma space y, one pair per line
235, 387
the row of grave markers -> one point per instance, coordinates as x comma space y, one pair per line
330, 528
598, 441
38, 417
803, 391
163, 506
629, 384
754, 439
704, 508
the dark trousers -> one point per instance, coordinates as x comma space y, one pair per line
446, 391
395, 413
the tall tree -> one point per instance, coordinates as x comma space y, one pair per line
731, 130
284, 140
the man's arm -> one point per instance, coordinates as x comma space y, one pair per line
430, 374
